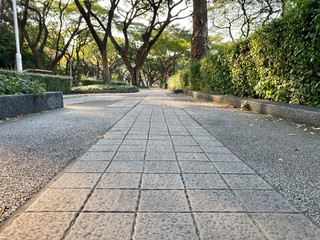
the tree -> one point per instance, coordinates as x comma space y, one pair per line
99, 20
171, 46
199, 42
132, 18
240, 17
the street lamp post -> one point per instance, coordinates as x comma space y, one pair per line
16, 30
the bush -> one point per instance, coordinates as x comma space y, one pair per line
52, 83
15, 84
103, 87
176, 82
280, 61
87, 82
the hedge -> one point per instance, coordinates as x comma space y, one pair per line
52, 83
280, 61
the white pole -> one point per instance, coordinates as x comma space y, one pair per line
16, 30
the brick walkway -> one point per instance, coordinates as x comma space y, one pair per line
157, 174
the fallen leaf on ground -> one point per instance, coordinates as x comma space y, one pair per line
99, 137
312, 133
306, 129
280, 159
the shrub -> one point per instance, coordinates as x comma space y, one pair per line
103, 87
52, 83
15, 84
215, 74
280, 61
175, 82
87, 82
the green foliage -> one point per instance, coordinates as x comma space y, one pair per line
215, 73
104, 87
52, 83
8, 49
176, 82
280, 61
88, 82
19, 84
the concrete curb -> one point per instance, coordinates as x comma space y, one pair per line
14, 105
295, 113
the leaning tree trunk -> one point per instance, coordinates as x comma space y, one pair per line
199, 42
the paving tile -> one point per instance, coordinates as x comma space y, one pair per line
112, 200
159, 137
114, 136
160, 148
129, 156
132, 148
162, 181
160, 142
223, 157
232, 167
126, 166
166, 156
214, 149
161, 167
226, 226
109, 141
119, 180
135, 142
89, 166
264, 201
97, 156
192, 157
204, 181
287, 226
38, 225
179, 133
104, 148
214, 200
212, 144
56, 200
164, 226
108, 226
163, 201
138, 137
139, 132
76, 180
204, 139
184, 140
197, 167
246, 181
188, 149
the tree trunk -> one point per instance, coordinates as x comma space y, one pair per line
199, 42
105, 68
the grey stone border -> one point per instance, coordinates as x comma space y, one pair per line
104, 91
14, 105
295, 113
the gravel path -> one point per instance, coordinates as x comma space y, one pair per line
34, 148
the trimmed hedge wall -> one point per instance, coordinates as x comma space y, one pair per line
53, 83
280, 61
